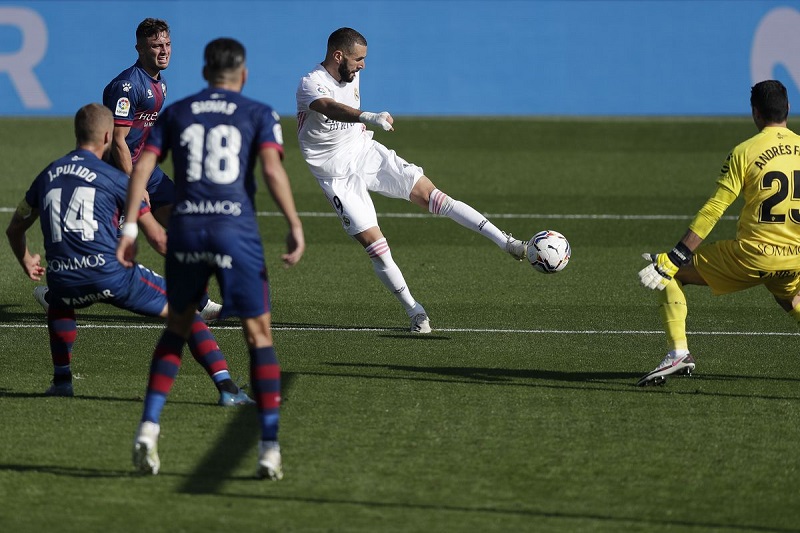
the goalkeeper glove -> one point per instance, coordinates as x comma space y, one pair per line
377, 119
663, 267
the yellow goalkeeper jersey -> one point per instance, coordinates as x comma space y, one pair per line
765, 170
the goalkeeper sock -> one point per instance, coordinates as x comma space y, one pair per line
265, 381
389, 273
673, 311
441, 204
205, 351
63, 330
163, 371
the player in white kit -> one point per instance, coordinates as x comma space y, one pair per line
348, 164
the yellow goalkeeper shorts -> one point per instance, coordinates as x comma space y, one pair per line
731, 266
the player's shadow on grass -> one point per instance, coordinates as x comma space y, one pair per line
495, 375
390, 332
236, 443
561, 518
81, 316
416, 336
540, 378
71, 471
190, 486
7, 393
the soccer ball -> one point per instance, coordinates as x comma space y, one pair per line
549, 251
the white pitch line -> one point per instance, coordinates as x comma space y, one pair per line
550, 216
442, 330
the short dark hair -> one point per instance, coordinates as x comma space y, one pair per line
770, 99
345, 39
223, 54
151, 27
90, 121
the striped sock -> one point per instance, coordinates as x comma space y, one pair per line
63, 330
163, 371
205, 350
265, 379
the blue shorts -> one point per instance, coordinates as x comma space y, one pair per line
136, 289
195, 252
161, 189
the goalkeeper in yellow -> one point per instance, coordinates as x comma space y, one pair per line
765, 169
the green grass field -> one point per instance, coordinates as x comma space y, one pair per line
519, 413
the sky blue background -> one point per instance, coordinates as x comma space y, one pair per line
435, 57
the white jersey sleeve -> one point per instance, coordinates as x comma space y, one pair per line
329, 147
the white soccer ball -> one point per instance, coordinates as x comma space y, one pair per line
549, 251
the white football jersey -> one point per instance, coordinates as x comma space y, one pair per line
328, 146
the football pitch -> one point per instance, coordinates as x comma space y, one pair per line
518, 413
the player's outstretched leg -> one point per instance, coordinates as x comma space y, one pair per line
392, 278
441, 204
205, 350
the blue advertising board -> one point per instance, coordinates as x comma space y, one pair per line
434, 57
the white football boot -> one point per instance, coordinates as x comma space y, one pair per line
516, 248
145, 449
420, 323
672, 364
270, 464
210, 312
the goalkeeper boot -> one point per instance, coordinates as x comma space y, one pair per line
516, 248
672, 364
270, 465
210, 312
145, 449
39, 294
420, 323
230, 399
63, 388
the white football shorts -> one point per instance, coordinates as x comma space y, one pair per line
377, 169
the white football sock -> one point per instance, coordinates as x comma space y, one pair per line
389, 274
441, 204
